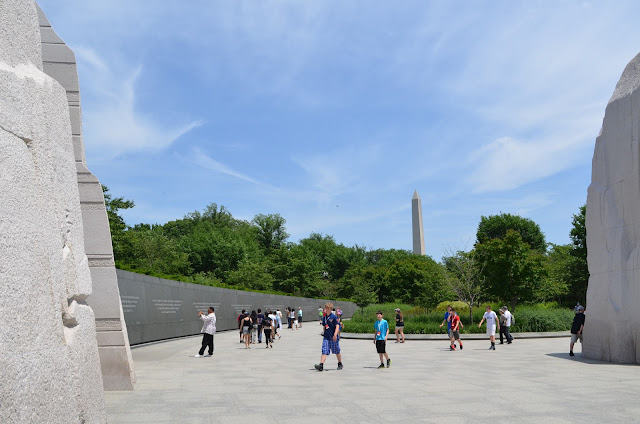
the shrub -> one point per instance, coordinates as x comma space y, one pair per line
534, 318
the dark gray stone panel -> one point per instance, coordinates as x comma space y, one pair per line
156, 309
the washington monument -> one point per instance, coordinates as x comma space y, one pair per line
418, 231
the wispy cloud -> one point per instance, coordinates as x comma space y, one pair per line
203, 160
113, 124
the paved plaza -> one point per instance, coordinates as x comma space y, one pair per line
529, 381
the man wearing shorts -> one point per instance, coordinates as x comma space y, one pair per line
447, 319
492, 321
577, 327
330, 343
300, 316
455, 329
381, 332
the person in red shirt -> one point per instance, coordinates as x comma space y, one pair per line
455, 329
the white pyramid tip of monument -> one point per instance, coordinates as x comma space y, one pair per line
415, 195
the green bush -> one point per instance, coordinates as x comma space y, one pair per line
534, 318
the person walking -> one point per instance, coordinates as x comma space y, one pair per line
208, 330
506, 319
447, 320
274, 325
491, 319
267, 327
240, 318
300, 316
292, 318
576, 328
330, 343
260, 317
456, 324
381, 333
399, 330
254, 327
245, 325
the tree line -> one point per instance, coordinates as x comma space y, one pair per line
510, 260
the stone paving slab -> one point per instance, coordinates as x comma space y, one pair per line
529, 381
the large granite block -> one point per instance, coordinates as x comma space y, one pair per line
613, 229
48, 352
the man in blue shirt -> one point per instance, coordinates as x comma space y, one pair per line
330, 342
381, 332
447, 319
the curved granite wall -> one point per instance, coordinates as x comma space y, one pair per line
156, 309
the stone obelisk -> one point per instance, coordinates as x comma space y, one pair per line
418, 231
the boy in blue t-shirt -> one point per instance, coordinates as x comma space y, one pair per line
381, 332
330, 342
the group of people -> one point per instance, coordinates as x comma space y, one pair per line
252, 326
502, 324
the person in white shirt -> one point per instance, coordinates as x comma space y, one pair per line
492, 321
208, 330
504, 329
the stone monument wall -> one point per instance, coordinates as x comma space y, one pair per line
113, 346
157, 309
612, 326
48, 352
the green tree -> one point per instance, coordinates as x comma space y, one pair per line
117, 225
578, 278
418, 279
497, 226
512, 269
557, 265
464, 276
271, 231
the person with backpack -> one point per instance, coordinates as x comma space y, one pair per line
267, 326
254, 326
260, 317
506, 319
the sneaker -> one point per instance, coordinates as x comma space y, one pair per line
380, 366
319, 367
460, 346
452, 348
571, 353
388, 363
198, 356
339, 365
493, 347
208, 355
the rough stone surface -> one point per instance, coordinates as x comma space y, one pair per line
612, 327
117, 365
48, 352
418, 229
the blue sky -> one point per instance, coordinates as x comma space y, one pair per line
332, 113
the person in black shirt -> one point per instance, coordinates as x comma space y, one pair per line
577, 327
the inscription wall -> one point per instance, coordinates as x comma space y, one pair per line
157, 309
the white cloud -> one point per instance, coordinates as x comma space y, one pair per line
112, 123
203, 160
